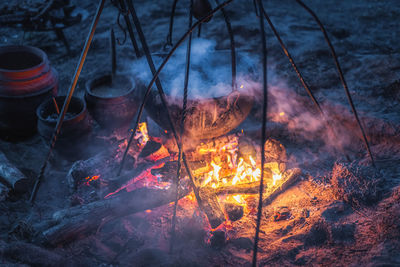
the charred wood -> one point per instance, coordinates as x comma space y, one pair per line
211, 207
11, 176
289, 179
72, 223
31, 254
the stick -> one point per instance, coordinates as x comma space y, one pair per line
68, 99
56, 105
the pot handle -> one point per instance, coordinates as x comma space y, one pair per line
232, 99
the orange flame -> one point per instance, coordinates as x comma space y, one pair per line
142, 134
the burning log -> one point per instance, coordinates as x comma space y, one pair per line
69, 224
275, 156
12, 176
130, 176
211, 207
288, 178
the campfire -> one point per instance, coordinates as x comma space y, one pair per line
226, 171
199, 150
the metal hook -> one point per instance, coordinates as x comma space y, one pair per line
122, 29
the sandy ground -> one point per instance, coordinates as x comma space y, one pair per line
365, 35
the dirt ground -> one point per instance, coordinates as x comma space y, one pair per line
342, 214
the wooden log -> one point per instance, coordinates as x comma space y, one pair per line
117, 182
211, 207
31, 254
72, 223
12, 176
288, 178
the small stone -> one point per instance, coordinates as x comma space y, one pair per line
282, 213
235, 212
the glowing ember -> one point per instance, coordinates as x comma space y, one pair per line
91, 179
239, 199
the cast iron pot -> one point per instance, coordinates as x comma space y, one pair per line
26, 80
75, 131
206, 118
114, 110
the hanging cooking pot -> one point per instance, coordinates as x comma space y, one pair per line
201, 8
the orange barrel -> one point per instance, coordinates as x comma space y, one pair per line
26, 80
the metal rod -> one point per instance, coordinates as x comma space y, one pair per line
125, 13
182, 127
232, 46
199, 32
155, 76
342, 79
303, 82
113, 53
67, 99
263, 133
171, 24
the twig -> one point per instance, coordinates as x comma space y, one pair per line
56, 105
